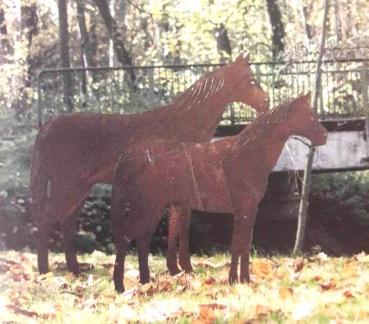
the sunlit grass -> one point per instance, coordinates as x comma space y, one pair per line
316, 289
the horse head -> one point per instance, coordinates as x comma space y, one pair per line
304, 122
243, 85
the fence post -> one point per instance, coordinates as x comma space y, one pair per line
39, 100
365, 103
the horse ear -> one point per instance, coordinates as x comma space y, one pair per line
243, 58
308, 96
239, 59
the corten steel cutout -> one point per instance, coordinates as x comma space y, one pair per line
228, 175
74, 152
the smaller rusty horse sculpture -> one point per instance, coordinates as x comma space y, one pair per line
74, 152
228, 175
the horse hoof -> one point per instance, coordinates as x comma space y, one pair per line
174, 271
233, 280
42, 269
73, 269
119, 289
173, 268
187, 269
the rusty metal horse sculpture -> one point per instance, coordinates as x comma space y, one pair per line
228, 175
74, 152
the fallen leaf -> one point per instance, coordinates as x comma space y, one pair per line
298, 265
209, 281
20, 311
164, 284
147, 288
317, 278
212, 306
262, 309
285, 292
261, 268
328, 285
207, 312
209, 264
348, 294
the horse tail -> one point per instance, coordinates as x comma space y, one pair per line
119, 198
39, 178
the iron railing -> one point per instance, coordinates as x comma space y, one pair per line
110, 89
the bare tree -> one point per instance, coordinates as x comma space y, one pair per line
304, 202
5, 45
64, 52
223, 42
87, 49
116, 36
118, 9
276, 22
304, 19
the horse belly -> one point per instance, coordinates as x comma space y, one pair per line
182, 190
211, 181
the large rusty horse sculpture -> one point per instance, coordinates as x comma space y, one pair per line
74, 152
228, 175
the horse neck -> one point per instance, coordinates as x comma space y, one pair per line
263, 144
197, 113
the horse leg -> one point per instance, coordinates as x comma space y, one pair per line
148, 227
69, 229
235, 255
245, 267
118, 275
173, 234
237, 246
143, 245
42, 246
245, 259
245, 256
184, 250
233, 277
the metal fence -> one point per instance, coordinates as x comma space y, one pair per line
110, 89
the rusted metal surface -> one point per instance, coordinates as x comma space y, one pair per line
75, 151
228, 175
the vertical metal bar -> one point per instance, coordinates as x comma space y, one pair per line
39, 99
365, 103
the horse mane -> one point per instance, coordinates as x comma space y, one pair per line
275, 116
207, 86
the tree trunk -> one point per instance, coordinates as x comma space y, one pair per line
304, 19
304, 202
276, 22
337, 18
64, 53
28, 29
223, 42
116, 37
86, 44
87, 50
5, 45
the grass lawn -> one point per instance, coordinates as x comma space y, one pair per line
316, 289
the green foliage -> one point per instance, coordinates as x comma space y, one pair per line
347, 191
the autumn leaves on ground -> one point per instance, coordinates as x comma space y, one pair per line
311, 289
